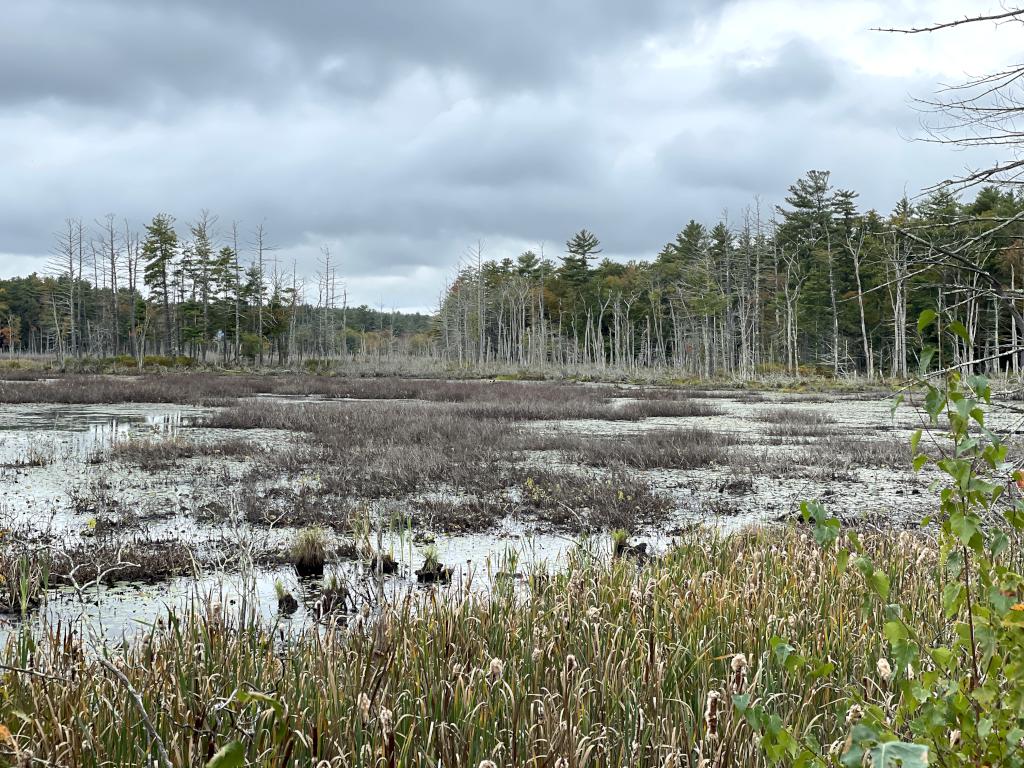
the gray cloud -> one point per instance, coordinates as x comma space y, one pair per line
144, 53
399, 132
797, 71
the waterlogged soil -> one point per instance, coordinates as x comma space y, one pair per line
63, 482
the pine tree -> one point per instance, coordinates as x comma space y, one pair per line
159, 251
581, 249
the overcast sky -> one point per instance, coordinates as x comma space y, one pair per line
400, 133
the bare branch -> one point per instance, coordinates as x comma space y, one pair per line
997, 17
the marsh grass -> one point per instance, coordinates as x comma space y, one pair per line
372, 450
691, 448
590, 503
602, 664
795, 416
310, 550
879, 451
157, 454
202, 388
24, 574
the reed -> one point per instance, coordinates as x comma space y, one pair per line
602, 663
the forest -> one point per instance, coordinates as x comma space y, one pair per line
814, 285
109, 292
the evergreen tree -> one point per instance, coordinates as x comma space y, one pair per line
159, 252
581, 249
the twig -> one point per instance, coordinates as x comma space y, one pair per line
947, 24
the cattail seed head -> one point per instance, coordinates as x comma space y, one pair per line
497, 669
739, 665
363, 702
884, 670
570, 664
711, 709
387, 721
854, 714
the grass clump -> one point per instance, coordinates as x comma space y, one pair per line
583, 502
692, 448
555, 671
309, 551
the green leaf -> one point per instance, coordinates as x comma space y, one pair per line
895, 630
231, 755
741, 702
896, 404
942, 657
926, 360
953, 595
899, 754
934, 402
1015, 516
250, 697
826, 528
925, 319
880, 583
958, 328
842, 560
966, 527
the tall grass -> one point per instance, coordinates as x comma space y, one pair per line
601, 664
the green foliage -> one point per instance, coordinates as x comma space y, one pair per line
957, 695
231, 755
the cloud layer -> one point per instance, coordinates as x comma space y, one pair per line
399, 133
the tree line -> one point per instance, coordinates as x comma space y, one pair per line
813, 284
208, 296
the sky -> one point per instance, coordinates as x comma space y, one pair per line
400, 133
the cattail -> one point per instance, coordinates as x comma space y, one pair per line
593, 612
854, 714
488, 764
363, 702
537, 655
884, 670
570, 664
497, 669
739, 673
711, 713
387, 721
